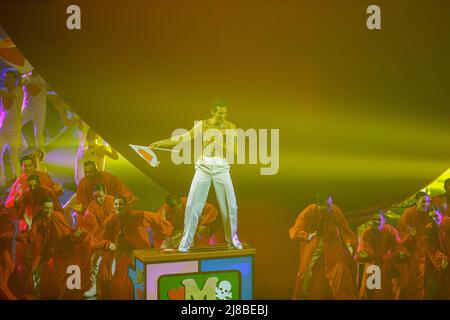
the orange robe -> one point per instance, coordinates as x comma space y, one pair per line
85, 189
436, 278
18, 189
209, 215
128, 233
95, 216
6, 262
326, 268
382, 247
53, 248
444, 233
20, 186
93, 219
415, 270
31, 201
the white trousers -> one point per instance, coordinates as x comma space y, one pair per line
9, 140
36, 113
217, 171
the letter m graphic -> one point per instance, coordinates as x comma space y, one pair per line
208, 292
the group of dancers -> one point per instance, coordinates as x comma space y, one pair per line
98, 230
406, 262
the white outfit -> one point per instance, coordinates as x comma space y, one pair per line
10, 132
217, 171
79, 170
35, 108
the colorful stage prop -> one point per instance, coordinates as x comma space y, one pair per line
204, 273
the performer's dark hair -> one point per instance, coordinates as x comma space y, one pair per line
420, 194
46, 199
25, 158
117, 197
100, 187
218, 103
322, 197
34, 177
447, 182
89, 163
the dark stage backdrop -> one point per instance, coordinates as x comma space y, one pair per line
362, 114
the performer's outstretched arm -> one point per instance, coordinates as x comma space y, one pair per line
173, 141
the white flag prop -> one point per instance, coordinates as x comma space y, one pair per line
147, 154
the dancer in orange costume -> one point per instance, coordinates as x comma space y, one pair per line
53, 250
380, 245
328, 245
97, 212
411, 228
173, 210
120, 234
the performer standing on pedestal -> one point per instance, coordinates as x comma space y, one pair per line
211, 166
